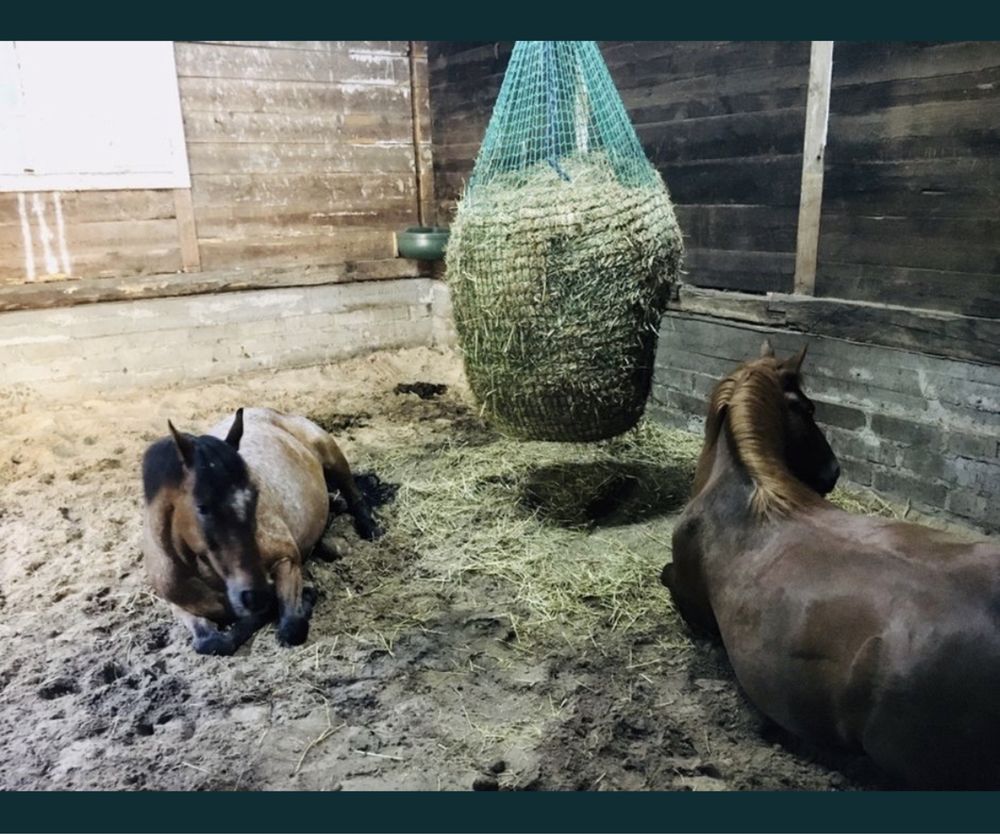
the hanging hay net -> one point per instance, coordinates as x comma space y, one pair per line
562, 253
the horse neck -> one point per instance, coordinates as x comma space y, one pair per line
729, 523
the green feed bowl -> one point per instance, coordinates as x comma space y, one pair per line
422, 243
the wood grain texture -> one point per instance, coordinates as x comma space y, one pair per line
968, 338
723, 121
913, 176
813, 151
302, 155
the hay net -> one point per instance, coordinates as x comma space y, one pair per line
561, 254
558, 101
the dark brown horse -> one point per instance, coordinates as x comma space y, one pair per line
865, 633
235, 510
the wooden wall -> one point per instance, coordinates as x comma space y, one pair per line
722, 121
301, 154
911, 199
912, 189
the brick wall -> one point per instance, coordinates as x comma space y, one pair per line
913, 427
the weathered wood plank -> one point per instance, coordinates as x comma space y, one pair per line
82, 237
422, 145
862, 62
639, 63
303, 191
974, 294
739, 227
739, 270
250, 158
949, 244
387, 47
216, 61
296, 127
187, 231
914, 131
318, 249
755, 134
112, 260
251, 96
937, 333
89, 291
772, 181
814, 148
950, 186
98, 206
868, 97
247, 222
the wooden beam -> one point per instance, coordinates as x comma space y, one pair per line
188, 233
422, 151
814, 147
968, 338
94, 290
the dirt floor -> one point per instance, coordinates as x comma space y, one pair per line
499, 637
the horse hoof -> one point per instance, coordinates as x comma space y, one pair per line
369, 529
214, 644
309, 597
293, 631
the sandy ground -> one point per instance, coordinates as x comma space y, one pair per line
413, 677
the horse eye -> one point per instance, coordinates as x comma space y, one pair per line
202, 509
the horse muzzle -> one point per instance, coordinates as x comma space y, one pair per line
248, 601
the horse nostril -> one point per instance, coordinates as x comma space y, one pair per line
255, 600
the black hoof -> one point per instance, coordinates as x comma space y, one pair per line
214, 644
293, 631
368, 528
309, 598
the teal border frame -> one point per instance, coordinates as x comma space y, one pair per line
246, 813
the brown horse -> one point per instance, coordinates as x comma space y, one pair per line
234, 510
866, 633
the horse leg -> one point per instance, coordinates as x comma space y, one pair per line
336, 472
338, 475
295, 602
693, 608
201, 608
208, 638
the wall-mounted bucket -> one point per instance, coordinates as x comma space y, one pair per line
422, 243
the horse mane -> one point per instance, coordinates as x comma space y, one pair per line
749, 405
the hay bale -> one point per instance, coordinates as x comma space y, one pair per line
558, 288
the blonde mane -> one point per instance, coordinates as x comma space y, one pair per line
749, 405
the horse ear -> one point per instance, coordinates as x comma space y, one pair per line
236, 430
766, 350
794, 363
185, 448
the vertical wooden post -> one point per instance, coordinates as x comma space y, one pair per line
190, 254
422, 153
814, 148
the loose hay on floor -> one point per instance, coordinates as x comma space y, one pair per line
581, 532
411, 655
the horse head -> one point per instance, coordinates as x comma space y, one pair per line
808, 454
770, 423
218, 511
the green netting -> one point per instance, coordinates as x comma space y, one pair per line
561, 253
558, 101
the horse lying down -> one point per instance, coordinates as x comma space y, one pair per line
235, 510
866, 633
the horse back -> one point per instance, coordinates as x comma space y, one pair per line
283, 456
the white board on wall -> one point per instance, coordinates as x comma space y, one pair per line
82, 115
